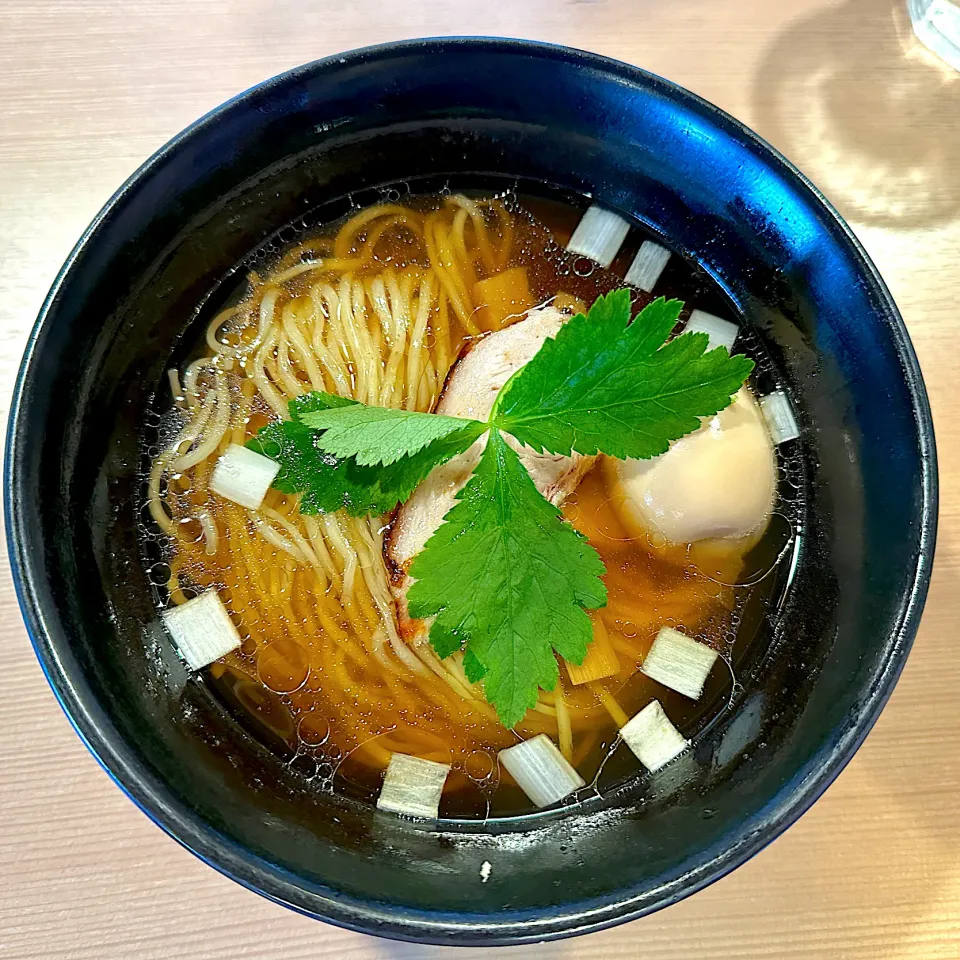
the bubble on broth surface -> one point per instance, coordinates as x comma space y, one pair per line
583, 267
159, 574
305, 766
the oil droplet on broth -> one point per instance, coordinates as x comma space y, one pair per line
265, 708
571, 508
479, 765
313, 729
282, 666
719, 562
191, 530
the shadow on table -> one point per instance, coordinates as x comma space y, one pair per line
853, 99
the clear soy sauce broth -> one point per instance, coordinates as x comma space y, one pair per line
279, 685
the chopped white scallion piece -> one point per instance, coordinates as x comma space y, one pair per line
778, 414
652, 737
202, 629
647, 265
243, 476
540, 770
721, 333
679, 663
599, 235
413, 786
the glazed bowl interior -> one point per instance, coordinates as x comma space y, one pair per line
661, 157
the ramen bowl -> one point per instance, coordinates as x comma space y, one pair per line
521, 112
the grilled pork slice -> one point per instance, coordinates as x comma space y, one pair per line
470, 390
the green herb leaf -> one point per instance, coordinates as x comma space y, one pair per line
375, 435
328, 483
612, 386
317, 400
508, 575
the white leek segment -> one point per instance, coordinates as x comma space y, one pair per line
679, 663
779, 417
202, 629
599, 235
540, 770
413, 786
722, 333
652, 737
647, 265
243, 476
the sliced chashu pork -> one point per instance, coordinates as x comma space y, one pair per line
471, 388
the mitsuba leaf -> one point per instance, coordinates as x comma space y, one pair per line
506, 572
327, 482
380, 435
607, 385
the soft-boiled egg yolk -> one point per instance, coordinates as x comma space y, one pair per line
716, 483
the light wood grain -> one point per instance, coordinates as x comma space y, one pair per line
89, 88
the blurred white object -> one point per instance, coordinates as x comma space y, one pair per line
937, 25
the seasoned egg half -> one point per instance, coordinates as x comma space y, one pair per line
717, 483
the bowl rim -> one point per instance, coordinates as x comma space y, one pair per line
419, 925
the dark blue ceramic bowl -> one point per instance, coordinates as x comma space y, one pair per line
636, 143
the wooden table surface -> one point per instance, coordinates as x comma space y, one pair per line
89, 88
